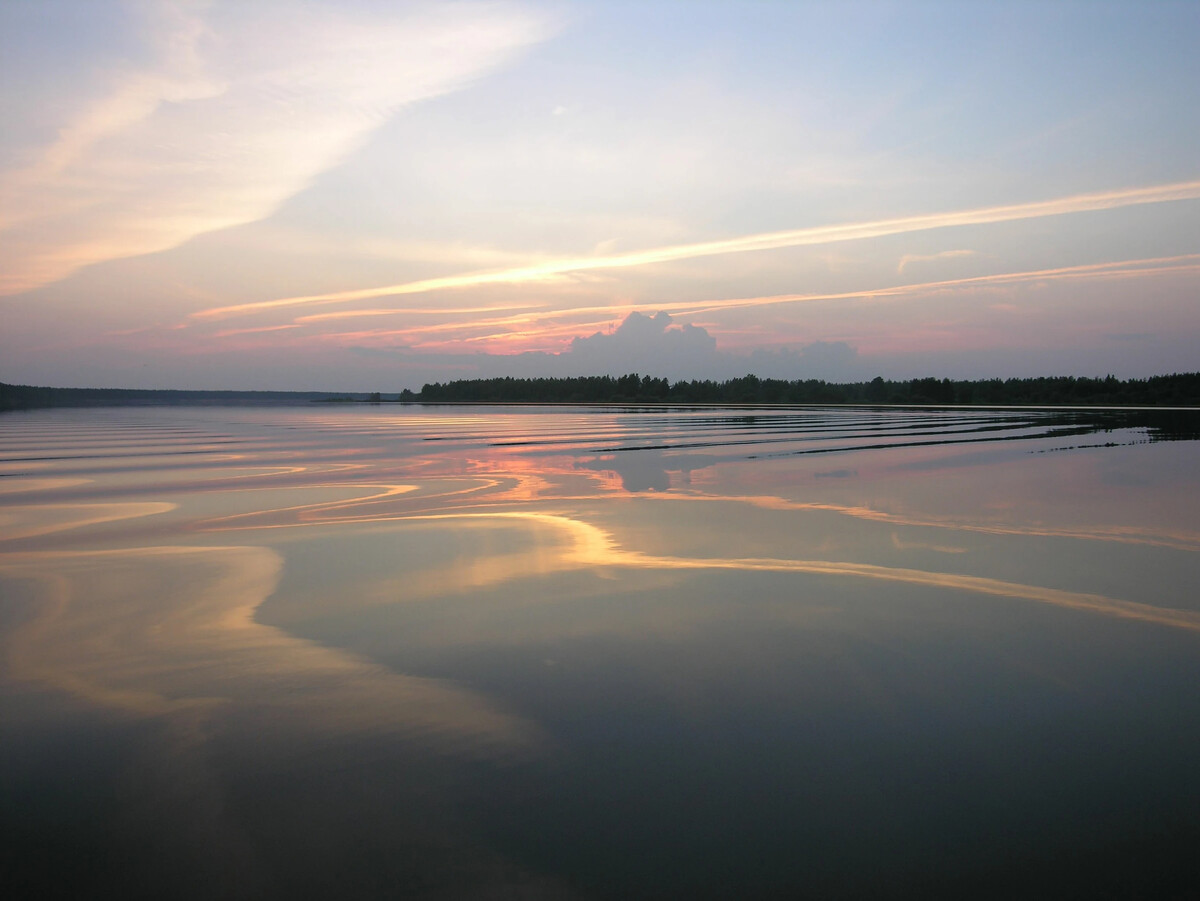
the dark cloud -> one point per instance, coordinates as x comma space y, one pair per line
651, 345
659, 346
648, 469
645, 470
646, 344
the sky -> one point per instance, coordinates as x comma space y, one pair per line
372, 195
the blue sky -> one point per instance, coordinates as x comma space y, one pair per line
367, 196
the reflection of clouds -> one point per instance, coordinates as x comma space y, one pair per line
1178, 540
363, 497
638, 470
647, 473
28, 521
156, 631
585, 546
548, 543
649, 469
497, 529
592, 547
18, 486
168, 630
370, 502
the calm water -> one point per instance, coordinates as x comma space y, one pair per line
532, 653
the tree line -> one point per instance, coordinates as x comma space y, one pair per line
1180, 389
31, 397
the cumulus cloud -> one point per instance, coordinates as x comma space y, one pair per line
651, 345
657, 345
645, 343
235, 108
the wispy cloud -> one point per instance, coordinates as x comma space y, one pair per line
826, 234
909, 258
441, 312
529, 328
1123, 269
238, 109
233, 332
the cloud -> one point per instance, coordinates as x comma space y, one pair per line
648, 344
824, 234
528, 325
655, 345
644, 343
929, 257
238, 108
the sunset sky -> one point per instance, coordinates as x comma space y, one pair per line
372, 195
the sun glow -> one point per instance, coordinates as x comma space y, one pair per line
535, 327
827, 234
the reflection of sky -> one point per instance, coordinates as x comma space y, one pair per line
693, 491
437, 610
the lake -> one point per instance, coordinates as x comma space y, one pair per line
506, 652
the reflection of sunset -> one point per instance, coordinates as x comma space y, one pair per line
161, 630
545, 478
479, 504
584, 546
44, 519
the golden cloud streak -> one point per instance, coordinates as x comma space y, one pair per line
416, 311
825, 234
1119, 269
601, 314
234, 332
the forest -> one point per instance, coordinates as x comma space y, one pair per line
1181, 389
1177, 390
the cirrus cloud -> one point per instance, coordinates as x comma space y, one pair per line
803, 237
235, 109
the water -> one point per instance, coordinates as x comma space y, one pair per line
599, 653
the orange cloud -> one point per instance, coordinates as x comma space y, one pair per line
826, 234
550, 330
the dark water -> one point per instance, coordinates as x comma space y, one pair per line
567, 653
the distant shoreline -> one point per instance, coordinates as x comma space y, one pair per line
28, 397
1179, 390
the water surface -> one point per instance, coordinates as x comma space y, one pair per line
600, 653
